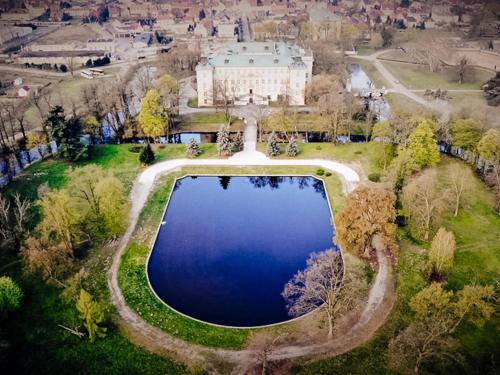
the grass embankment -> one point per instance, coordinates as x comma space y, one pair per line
418, 77
371, 155
476, 229
132, 274
207, 122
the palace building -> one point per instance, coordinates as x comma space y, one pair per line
254, 72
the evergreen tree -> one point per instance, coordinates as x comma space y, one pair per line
147, 156
224, 145
10, 295
192, 148
422, 145
66, 133
292, 149
273, 149
238, 143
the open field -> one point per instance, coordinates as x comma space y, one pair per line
420, 78
74, 33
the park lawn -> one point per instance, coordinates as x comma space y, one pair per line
477, 260
372, 72
132, 275
369, 154
400, 102
419, 77
40, 345
118, 159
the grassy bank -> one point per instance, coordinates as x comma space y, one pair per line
476, 229
207, 122
371, 155
132, 274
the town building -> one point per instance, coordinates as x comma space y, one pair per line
254, 72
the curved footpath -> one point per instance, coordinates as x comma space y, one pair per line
379, 305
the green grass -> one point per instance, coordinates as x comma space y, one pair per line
477, 260
132, 274
400, 102
369, 154
420, 78
39, 345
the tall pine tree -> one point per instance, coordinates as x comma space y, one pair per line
273, 149
224, 144
66, 133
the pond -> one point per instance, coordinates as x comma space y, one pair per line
228, 245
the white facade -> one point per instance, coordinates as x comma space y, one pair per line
254, 72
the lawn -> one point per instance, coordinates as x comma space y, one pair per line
400, 102
419, 77
477, 260
371, 155
132, 274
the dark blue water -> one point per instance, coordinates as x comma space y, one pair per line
228, 245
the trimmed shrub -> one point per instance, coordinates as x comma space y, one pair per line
374, 177
320, 172
147, 156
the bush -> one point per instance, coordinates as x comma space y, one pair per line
318, 147
374, 177
147, 156
10, 295
328, 174
320, 172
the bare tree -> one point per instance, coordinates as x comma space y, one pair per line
321, 286
459, 179
223, 98
261, 114
14, 217
462, 68
424, 201
264, 343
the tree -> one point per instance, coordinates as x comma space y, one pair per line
238, 143
466, 133
387, 37
462, 69
424, 202
60, 219
437, 315
169, 90
422, 146
441, 254
281, 121
10, 295
14, 219
273, 148
264, 344
192, 148
492, 90
92, 127
292, 149
320, 285
147, 156
489, 146
92, 315
459, 179
66, 134
223, 98
321, 85
152, 117
369, 213
382, 132
224, 145
100, 198
51, 262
